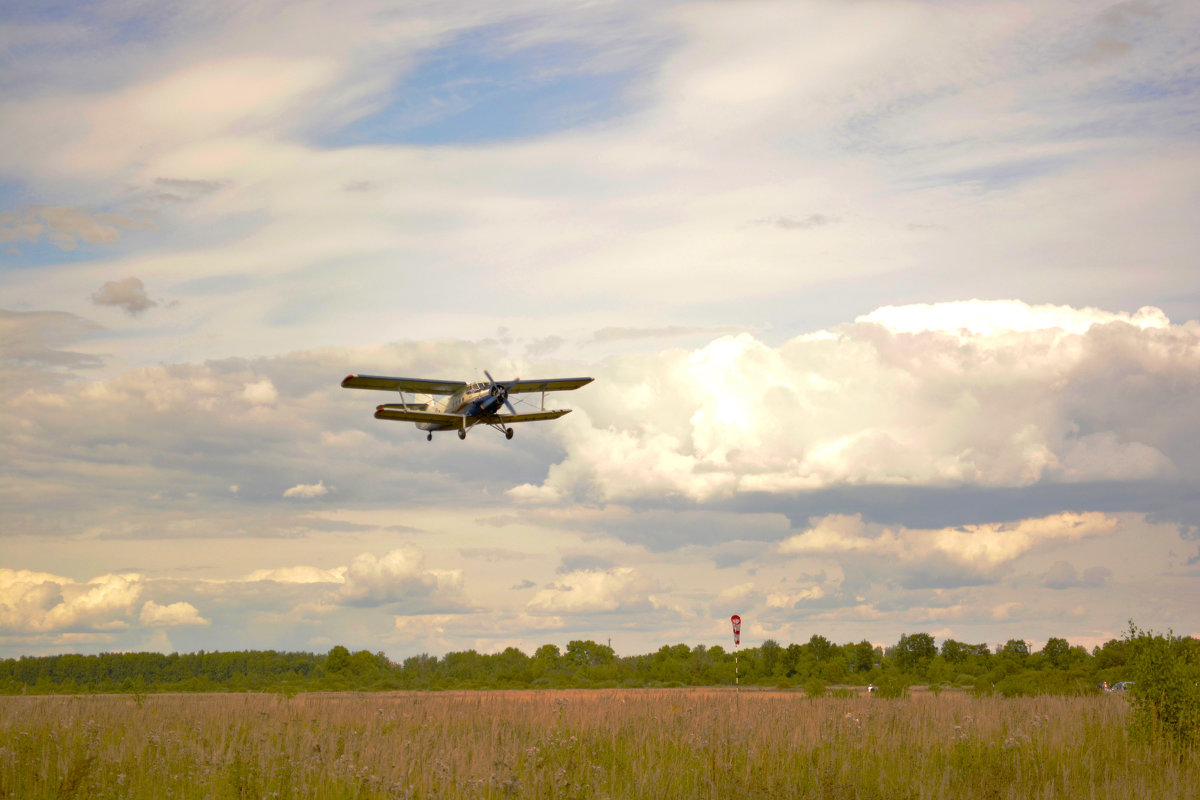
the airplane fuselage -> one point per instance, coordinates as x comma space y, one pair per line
477, 401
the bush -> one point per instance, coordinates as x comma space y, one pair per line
814, 687
1165, 671
892, 685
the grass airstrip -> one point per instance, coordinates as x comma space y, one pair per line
620, 743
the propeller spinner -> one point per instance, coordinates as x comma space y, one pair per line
500, 390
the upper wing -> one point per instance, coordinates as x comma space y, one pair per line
552, 385
417, 385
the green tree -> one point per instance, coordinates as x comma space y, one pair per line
913, 653
338, 660
1016, 651
586, 653
820, 647
1057, 653
770, 654
954, 652
864, 657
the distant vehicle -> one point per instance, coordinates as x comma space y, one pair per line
467, 404
1122, 686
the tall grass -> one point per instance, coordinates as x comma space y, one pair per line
586, 744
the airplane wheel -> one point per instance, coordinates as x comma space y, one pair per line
429, 437
462, 433
508, 433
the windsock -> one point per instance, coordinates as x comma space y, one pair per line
737, 628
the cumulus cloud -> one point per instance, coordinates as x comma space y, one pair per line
37, 602
307, 490
946, 556
128, 293
592, 591
261, 393
992, 394
172, 615
298, 574
398, 577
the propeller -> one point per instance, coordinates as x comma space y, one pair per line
501, 390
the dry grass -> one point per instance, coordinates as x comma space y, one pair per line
588, 744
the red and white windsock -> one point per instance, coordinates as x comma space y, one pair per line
737, 628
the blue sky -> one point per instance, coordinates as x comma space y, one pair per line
892, 310
479, 88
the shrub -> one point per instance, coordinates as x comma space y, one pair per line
893, 685
1165, 694
814, 687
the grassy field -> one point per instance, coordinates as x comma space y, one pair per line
675, 743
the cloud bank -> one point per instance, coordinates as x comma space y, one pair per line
979, 393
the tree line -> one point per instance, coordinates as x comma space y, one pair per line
1011, 669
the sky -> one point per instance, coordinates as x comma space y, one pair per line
893, 311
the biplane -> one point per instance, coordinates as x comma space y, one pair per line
465, 405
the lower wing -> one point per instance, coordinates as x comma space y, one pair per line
532, 416
413, 414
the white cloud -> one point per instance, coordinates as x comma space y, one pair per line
978, 546
980, 319
40, 602
791, 599
399, 576
98, 133
307, 490
985, 394
591, 591
261, 393
172, 615
298, 574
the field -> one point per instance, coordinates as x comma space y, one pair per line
670, 743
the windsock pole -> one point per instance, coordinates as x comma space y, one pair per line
737, 640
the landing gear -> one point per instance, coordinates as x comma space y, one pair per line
508, 433
429, 437
462, 433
